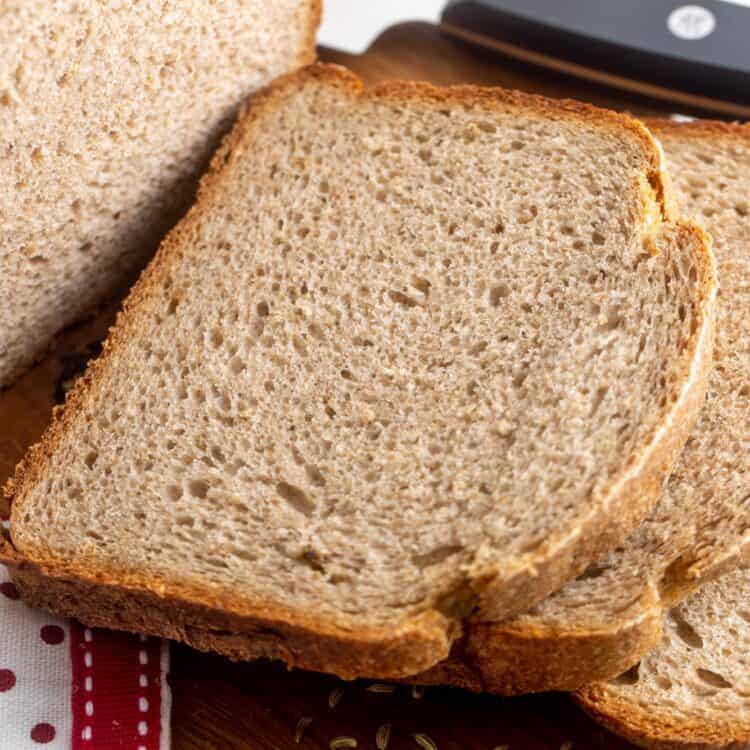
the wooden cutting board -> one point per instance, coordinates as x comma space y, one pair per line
224, 706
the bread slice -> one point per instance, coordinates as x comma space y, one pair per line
693, 691
109, 112
336, 417
600, 625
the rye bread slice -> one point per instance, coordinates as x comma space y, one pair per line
109, 113
693, 691
600, 625
416, 355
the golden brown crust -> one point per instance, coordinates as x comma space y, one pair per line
508, 660
308, 54
644, 727
426, 640
705, 128
215, 624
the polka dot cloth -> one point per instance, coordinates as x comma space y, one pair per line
35, 676
66, 687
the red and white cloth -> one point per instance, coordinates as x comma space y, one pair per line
67, 687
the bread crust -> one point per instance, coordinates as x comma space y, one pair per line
304, 639
646, 728
701, 128
215, 623
508, 659
308, 53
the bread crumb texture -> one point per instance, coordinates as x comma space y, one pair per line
692, 691
600, 624
408, 340
108, 112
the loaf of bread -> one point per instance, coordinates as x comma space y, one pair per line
109, 112
416, 355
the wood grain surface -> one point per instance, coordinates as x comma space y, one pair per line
223, 706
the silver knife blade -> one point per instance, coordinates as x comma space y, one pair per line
352, 25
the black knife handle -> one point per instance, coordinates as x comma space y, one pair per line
702, 47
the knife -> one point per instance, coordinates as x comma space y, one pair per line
692, 54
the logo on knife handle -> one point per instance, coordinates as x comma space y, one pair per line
691, 22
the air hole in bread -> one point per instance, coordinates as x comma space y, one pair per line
402, 299
421, 284
684, 630
316, 331
614, 318
217, 338
198, 488
631, 677
714, 679
436, 556
595, 570
314, 475
313, 559
174, 492
216, 562
520, 377
236, 365
297, 498
533, 545
497, 293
